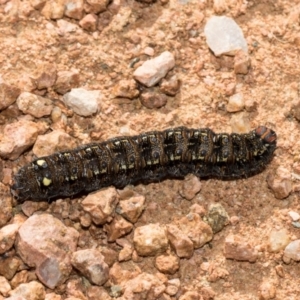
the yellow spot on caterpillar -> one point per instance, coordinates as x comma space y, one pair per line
46, 181
41, 163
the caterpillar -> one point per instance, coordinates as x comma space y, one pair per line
148, 157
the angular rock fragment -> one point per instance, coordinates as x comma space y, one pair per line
82, 101
224, 36
46, 243
117, 228
66, 80
150, 239
90, 262
101, 205
153, 70
168, 264
8, 95
34, 105
132, 208
19, 136
238, 249
180, 242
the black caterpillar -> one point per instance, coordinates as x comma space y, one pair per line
148, 157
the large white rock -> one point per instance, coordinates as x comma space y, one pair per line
224, 36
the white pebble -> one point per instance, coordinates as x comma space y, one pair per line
83, 102
294, 216
236, 103
153, 70
224, 36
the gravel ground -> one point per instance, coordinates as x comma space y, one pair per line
46, 50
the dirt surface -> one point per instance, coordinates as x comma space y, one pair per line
30, 42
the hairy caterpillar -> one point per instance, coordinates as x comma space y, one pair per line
148, 157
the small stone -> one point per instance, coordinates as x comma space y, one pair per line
191, 295
96, 6
75, 289
18, 137
7, 237
217, 217
280, 271
149, 51
294, 215
118, 275
236, 103
267, 290
89, 22
5, 204
9, 265
168, 264
74, 9
86, 220
52, 142
101, 205
117, 228
132, 208
66, 80
241, 62
238, 249
126, 89
97, 292
30, 291
152, 99
65, 27
150, 240
37, 4
224, 36
240, 123
190, 187
23, 276
198, 231
82, 101
292, 251
8, 95
173, 286
35, 105
46, 243
47, 77
278, 240
153, 70
170, 86
180, 242
53, 10
90, 262
30, 207
4, 286
198, 209
56, 114
143, 284
295, 111
280, 185
126, 253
